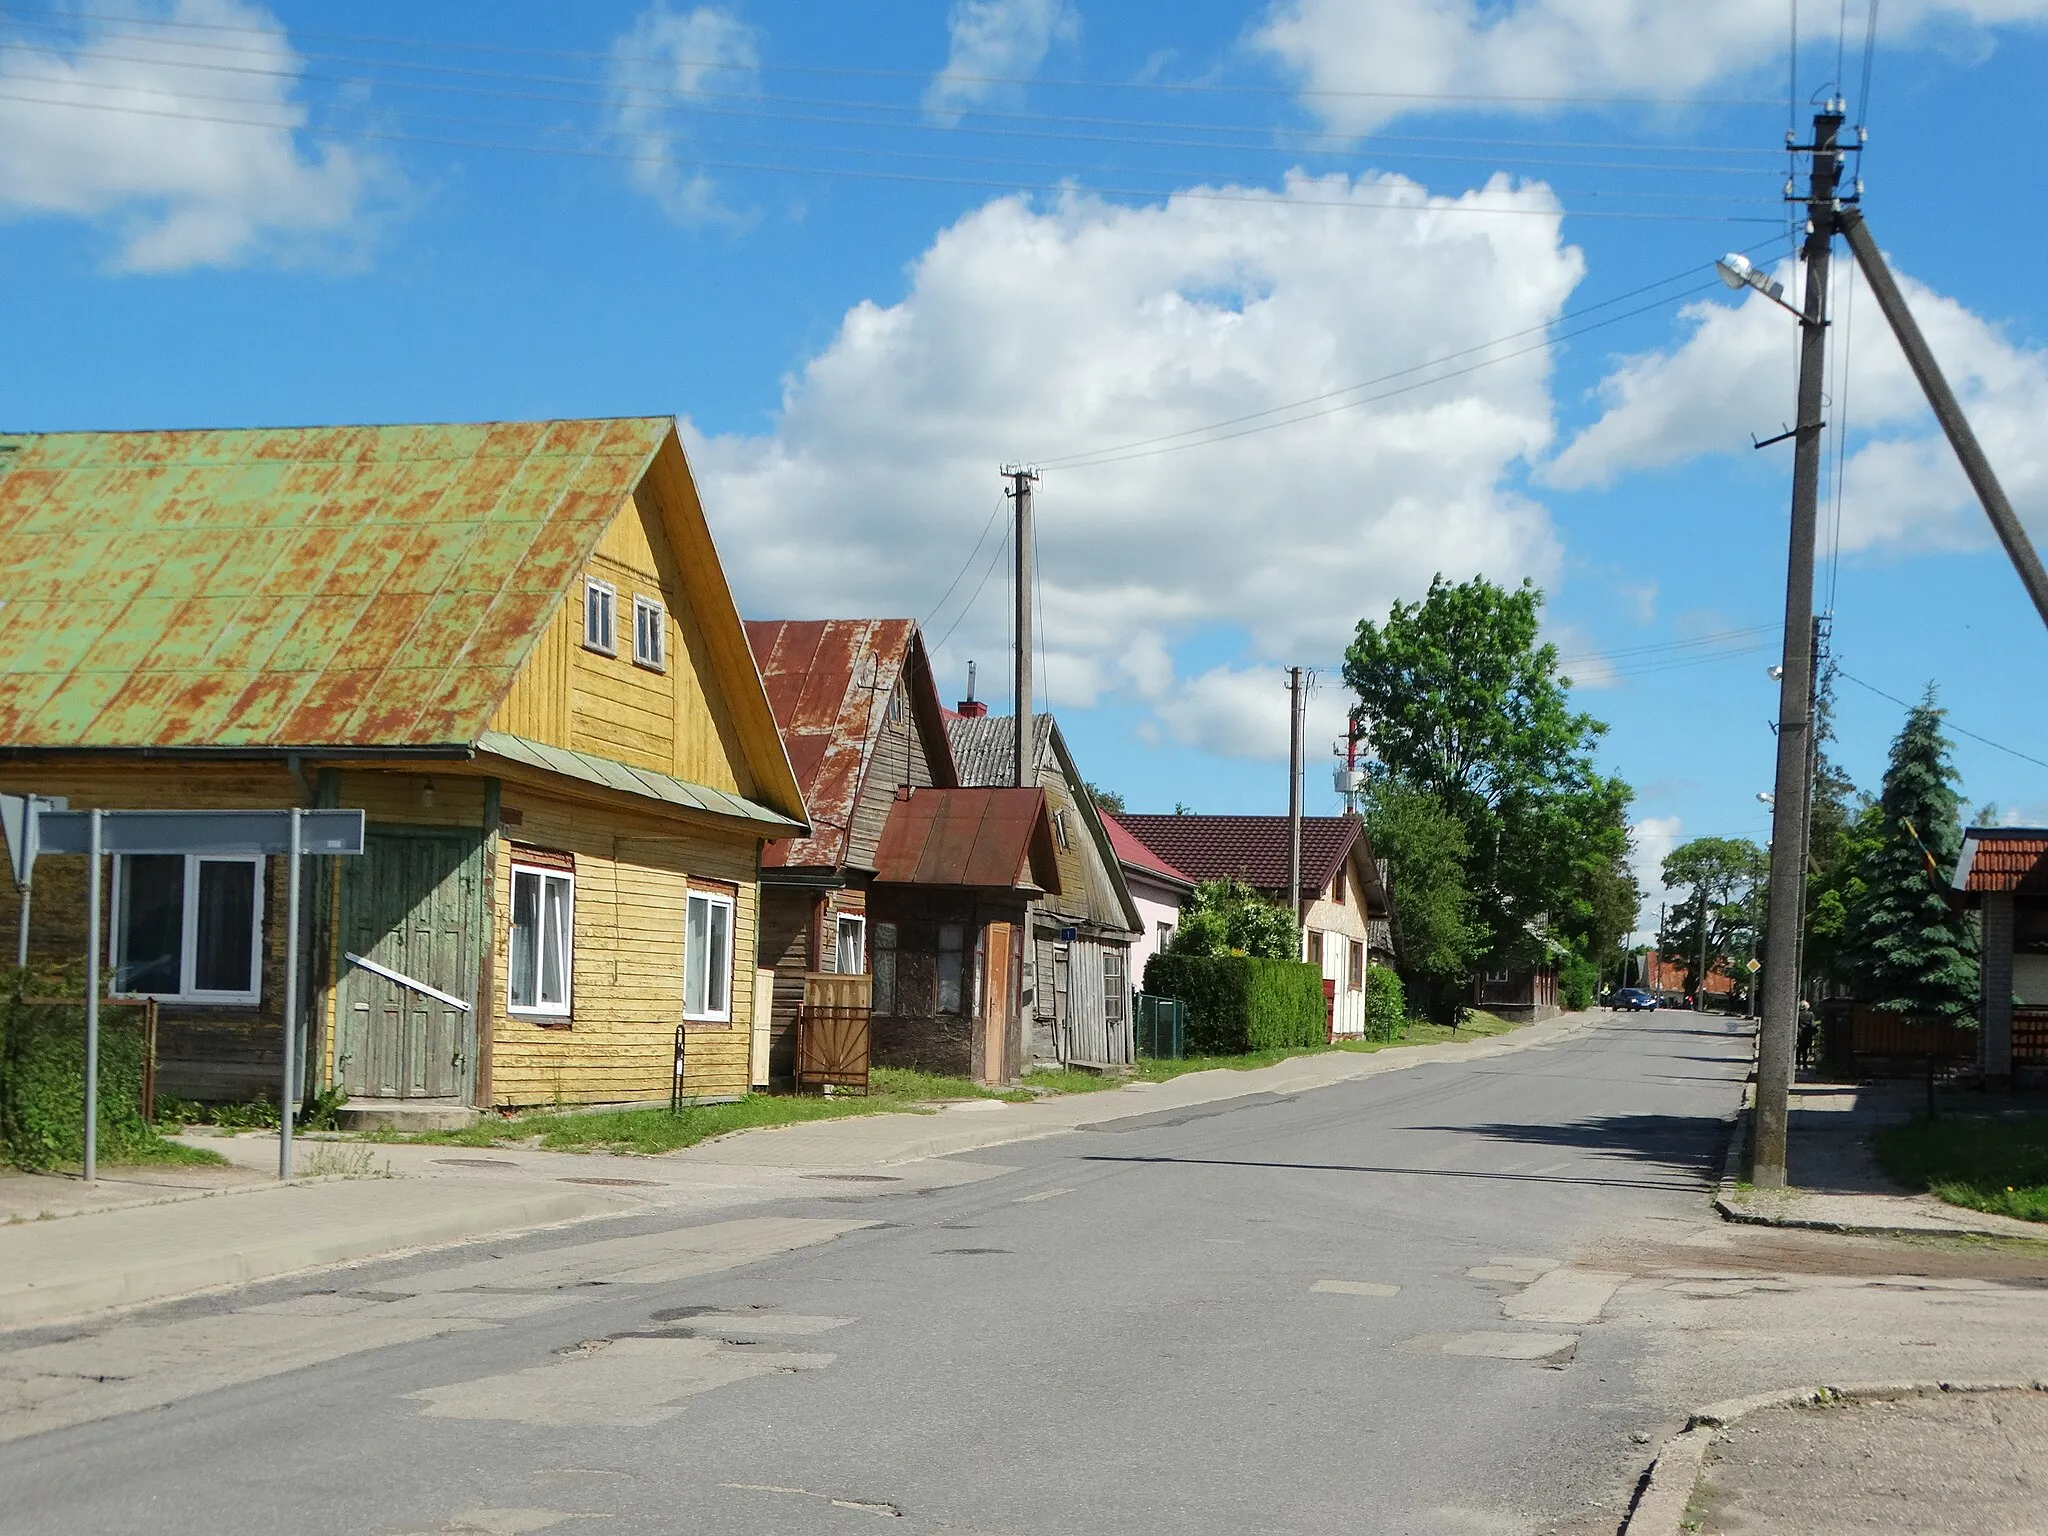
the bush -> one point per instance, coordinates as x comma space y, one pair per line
1386, 1004
1224, 917
1577, 980
42, 1076
1239, 1003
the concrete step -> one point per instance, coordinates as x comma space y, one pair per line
404, 1115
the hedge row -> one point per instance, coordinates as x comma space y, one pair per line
1237, 1003
42, 1077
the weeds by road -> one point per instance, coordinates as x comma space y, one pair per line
1477, 1025
1983, 1163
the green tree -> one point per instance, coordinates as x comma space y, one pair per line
1438, 938
1723, 878
1841, 835
1908, 950
1226, 917
1463, 703
1106, 799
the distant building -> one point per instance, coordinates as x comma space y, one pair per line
2003, 872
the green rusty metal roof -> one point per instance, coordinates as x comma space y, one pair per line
605, 772
291, 587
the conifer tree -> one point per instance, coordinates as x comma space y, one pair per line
1909, 951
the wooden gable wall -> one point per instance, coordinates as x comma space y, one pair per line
1087, 889
676, 721
901, 756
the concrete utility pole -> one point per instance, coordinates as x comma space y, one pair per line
1026, 763
1294, 712
1777, 1036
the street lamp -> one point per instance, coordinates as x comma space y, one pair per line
1765, 797
1738, 271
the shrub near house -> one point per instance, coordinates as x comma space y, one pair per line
1240, 1003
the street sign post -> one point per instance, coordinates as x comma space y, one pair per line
37, 824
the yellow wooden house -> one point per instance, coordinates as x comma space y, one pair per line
510, 644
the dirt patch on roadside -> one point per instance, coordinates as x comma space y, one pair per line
1742, 1250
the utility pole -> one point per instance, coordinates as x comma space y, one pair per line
1777, 1036
1026, 764
1294, 711
1699, 990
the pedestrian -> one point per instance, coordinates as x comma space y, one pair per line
1809, 1032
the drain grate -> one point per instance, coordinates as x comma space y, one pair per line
614, 1183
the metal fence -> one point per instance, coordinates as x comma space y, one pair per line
1161, 1026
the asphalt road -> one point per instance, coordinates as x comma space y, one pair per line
1255, 1316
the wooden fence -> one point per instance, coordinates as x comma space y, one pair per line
1882, 1043
832, 1031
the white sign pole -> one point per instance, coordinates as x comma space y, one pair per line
287, 1099
92, 1004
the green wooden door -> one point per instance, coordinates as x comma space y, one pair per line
413, 904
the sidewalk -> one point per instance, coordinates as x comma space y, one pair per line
150, 1235
1839, 1185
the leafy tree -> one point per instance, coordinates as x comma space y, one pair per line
1106, 799
1226, 917
1840, 836
1724, 876
1424, 845
1464, 704
1908, 950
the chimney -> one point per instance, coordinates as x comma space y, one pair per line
971, 708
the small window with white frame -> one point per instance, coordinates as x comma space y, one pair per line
707, 958
850, 957
188, 927
543, 941
1059, 829
600, 616
650, 634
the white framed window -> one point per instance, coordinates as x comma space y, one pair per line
707, 957
189, 927
600, 616
650, 634
1162, 935
1059, 829
850, 957
543, 941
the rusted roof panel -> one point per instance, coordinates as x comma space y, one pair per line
829, 682
981, 839
294, 587
2003, 859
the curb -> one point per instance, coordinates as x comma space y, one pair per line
77, 1295
1670, 1480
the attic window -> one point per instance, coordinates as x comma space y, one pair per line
1059, 828
650, 634
600, 616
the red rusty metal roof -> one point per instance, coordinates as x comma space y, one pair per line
829, 682
1134, 855
2003, 859
291, 587
1250, 848
985, 839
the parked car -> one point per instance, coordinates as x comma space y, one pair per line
1632, 999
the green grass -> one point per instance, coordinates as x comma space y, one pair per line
1073, 1080
1985, 1164
1415, 1032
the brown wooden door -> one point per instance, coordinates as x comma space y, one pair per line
996, 1003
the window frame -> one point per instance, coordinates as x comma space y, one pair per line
1059, 830
188, 931
645, 607
730, 902
541, 1011
859, 923
592, 587
960, 982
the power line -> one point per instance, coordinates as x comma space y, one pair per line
965, 566
1425, 202
1949, 724
1002, 544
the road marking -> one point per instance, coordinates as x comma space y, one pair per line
1043, 1194
1550, 1348
1354, 1288
1565, 1296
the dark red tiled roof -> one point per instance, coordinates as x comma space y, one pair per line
1134, 855
986, 839
1248, 848
2003, 859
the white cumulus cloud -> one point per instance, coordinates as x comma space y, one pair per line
667, 58
1651, 840
1734, 374
1030, 331
1395, 54
190, 165
994, 41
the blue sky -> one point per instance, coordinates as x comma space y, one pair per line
866, 253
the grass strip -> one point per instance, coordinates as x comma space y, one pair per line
1477, 1025
1984, 1163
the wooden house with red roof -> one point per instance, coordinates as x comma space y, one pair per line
1345, 914
905, 876
2003, 872
511, 644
